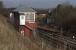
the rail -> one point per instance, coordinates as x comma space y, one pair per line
48, 35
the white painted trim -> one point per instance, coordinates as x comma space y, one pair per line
34, 17
27, 12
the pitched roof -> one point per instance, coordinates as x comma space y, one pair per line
24, 9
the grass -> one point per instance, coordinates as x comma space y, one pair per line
10, 39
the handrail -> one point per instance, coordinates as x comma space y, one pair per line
28, 27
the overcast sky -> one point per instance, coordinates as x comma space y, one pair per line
36, 3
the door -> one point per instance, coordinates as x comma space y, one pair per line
22, 19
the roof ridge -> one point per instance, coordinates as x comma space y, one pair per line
25, 9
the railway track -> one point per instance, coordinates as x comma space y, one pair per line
56, 36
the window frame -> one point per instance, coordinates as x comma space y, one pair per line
30, 13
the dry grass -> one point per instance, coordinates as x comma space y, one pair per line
10, 39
